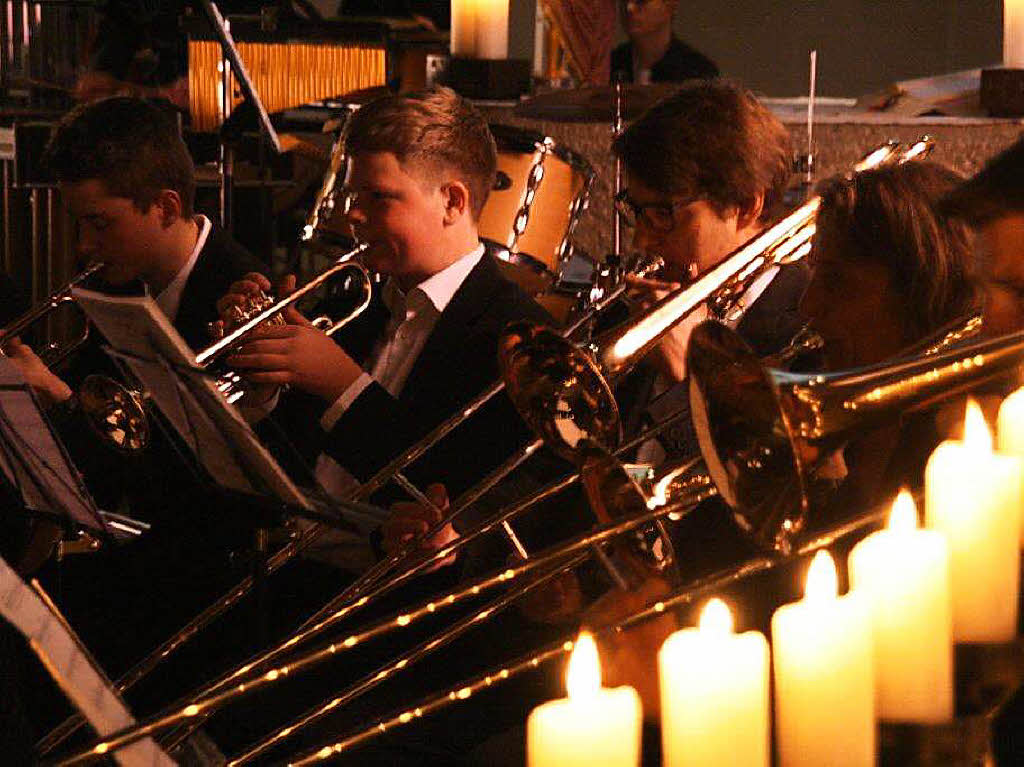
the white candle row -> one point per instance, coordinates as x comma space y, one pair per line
884, 650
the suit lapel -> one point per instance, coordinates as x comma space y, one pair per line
453, 333
197, 297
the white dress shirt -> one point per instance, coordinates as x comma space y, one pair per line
169, 299
413, 317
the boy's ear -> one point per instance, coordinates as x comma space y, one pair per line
751, 215
169, 203
456, 201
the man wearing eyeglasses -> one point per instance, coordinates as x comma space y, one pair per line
653, 54
704, 171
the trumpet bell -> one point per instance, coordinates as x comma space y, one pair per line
115, 413
558, 390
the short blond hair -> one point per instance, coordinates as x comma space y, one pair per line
434, 128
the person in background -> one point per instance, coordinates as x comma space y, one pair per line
654, 54
993, 203
890, 271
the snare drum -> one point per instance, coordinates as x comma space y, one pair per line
540, 193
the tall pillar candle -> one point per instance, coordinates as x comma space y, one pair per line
714, 694
904, 574
973, 496
1013, 34
824, 683
492, 29
593, 726
463, 29
1010, 431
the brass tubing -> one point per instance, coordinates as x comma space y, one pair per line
550, 557
691, 592
409, 658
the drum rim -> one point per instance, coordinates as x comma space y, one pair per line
535, 140
503, 253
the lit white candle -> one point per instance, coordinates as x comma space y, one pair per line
593, 726
479, 29
463, 29
824, 690
973, 495
714, 693
1013, 33
904, 573
1010, 431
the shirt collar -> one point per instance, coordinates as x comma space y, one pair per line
438, 289
169, 299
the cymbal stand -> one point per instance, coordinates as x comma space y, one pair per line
620, 108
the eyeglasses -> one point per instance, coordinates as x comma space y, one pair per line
658, 216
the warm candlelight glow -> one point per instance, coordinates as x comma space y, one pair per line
593, 725
583, 678
1013, 33
716, 618
977, 435
822, 582
904, 513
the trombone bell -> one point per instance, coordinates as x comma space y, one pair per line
558, 390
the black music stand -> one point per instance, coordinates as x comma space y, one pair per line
35, 464
237, 66
223, 443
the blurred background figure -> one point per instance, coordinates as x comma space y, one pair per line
888, 272
654, 54
993, 203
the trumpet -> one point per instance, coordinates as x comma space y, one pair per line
114, 412
53, 354
262, 310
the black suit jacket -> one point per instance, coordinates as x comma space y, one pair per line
680, 62
457, 362
156, 583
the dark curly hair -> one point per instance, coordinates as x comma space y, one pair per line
132, 146
890, 215
711, 140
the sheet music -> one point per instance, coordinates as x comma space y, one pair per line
32, 460
215, 431
72, 668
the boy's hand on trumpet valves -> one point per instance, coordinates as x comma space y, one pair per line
295, 353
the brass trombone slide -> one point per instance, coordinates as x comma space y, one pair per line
390, 472
946, 374
547, 563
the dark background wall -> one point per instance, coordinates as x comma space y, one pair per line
862, 44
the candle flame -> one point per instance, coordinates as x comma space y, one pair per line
904, 512
976, 432
716, 618
583, 677
822, 582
